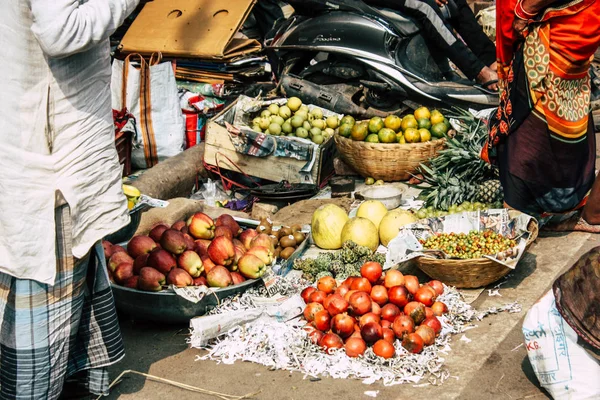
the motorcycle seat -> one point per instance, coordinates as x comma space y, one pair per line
404, 25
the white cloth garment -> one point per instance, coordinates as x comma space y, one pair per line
56, 129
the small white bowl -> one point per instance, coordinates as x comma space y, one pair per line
390, 196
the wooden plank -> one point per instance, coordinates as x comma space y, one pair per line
219, 146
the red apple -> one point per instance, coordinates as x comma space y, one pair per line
162, 261
219, 276
251, 266
107, 246
191, 263
201, 246
200, 281
173, 241
140, 262
139, 245
201, 226
117, 249
263, 240
207, 263
178, 226
237, 278
123, 272
223, 231
228, 221
263, 253
179, 278
118, 258
132, 282
189, 242
247, 236
150, 280
221, 251
157, 231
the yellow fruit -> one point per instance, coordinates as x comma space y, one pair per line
327, 224
436, 117
369, 181
348, 119
294, 103
373, 210
422, 113
392, 222
133, 195
387, 135
379, 182
372, 138
345, 130
362, 232
359, 132
411, 135
332, 122
392, 122
439, 130
401, 140
375, 124
424, 123
409, 122
425, 135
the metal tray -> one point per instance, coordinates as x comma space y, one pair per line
167, 307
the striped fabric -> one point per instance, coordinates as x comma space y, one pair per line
49, 333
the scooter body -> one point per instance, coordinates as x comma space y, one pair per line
347, 47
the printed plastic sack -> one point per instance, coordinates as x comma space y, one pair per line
564, 368
150, 94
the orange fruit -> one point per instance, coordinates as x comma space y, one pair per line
425, 135
359, 131
387, 135
412, 135
375, 124
409, 122
422, 113
392, 122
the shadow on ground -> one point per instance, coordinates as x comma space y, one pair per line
145, 344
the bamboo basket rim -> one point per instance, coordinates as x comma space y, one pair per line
495, 269
379, 146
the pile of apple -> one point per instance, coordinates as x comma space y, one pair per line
374, 310
199, 251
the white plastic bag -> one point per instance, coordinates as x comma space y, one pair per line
150, 94
564, 369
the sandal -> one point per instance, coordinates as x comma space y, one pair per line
485, 86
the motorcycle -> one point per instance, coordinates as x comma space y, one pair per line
353, 58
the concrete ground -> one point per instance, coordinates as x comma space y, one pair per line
493, 365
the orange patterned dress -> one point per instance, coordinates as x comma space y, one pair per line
542, 135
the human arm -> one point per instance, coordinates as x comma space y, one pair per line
65, 27
526, 10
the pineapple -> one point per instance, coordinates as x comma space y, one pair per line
490, 191
458, 174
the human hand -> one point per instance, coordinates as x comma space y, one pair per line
441, 3
520, 26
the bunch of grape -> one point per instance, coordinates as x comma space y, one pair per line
472, 245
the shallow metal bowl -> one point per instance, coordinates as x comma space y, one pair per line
166, 306
390, 196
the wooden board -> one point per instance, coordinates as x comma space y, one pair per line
218, 147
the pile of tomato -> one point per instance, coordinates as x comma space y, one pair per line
375, 309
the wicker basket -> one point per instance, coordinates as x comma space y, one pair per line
386, 161
473, 273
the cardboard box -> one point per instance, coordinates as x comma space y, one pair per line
220, 150
190, 29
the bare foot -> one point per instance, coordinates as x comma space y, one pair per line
574, 224
486, 75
